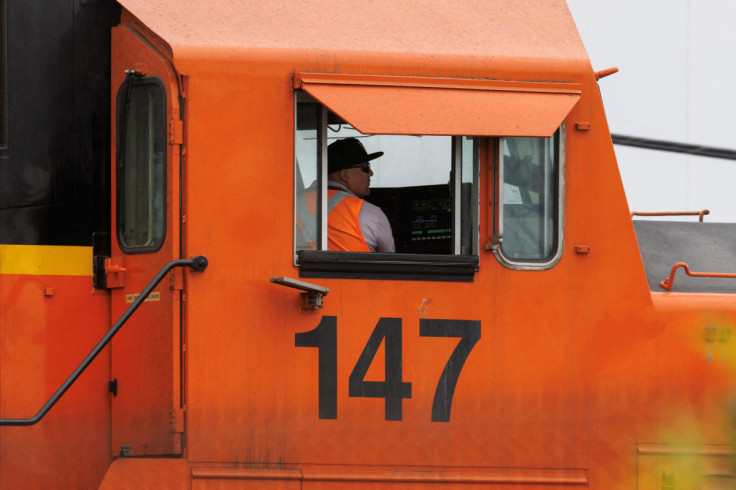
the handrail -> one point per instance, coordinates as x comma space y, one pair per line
652, 144
198, 263
668, 282
699, 214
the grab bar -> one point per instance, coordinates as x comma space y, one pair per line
699, 214
198, 263
668, 281
651, 144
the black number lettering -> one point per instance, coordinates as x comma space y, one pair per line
393, 389
324, 337
469, 333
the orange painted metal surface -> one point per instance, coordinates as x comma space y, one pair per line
564, 377
43, 340
579, 375
147, 473
433, 106
401, 33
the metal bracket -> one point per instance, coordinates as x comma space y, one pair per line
177, 420
115, 272
311, 293
495, 245
176, 132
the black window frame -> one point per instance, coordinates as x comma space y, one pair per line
123, 98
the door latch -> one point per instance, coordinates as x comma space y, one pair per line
115, 272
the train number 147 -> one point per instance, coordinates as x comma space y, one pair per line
393, 389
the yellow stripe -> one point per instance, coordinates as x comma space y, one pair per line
45, 260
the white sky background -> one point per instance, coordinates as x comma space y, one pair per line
676, 82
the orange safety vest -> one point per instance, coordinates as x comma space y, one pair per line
343, 223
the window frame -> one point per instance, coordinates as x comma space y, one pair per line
323, 263
122, 125
531, 264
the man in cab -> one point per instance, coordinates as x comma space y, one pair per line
353, 224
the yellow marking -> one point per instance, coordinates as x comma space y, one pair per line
154, 296
45, 260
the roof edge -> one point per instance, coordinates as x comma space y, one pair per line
127, 19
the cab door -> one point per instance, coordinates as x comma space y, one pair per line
146, 354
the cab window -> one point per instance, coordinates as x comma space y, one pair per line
529, 219
141, 165
427, 187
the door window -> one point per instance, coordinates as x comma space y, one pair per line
141, 165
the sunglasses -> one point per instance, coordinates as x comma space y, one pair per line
365, 167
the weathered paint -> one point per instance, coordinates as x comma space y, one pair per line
580, 376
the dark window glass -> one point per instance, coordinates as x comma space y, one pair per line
3, 77
141, 173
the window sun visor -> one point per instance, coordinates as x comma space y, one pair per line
442, 106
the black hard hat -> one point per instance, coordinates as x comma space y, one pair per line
346, 153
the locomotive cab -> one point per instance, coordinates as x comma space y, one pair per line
510, 341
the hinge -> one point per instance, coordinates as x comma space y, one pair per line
183, 86
495, 245
177, 420
177, 280
176, 132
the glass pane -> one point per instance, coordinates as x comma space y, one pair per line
141, 213
529, 198
306, 151
412, 184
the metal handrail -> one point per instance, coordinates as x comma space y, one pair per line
198, 263
669, 281
699, 214
672, 146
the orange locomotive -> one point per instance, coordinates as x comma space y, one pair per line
512, 340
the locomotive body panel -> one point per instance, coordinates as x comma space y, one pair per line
456, 362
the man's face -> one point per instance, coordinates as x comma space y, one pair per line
358, 180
